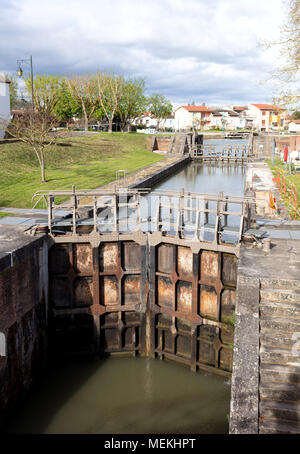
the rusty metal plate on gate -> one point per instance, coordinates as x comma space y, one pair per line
208, 302
184, 296
229, 270
109, 290
227, 335
206, 353
131, 289
184, 261
165, 292
209, 266
226, 355
83, 292
183, 346
131, 256
108, 257
83, 258
228, 298
165, 258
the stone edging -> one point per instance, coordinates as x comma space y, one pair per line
159, 175
245, 372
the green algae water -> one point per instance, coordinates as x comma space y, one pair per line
125, 396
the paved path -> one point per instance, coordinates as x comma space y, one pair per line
27, 217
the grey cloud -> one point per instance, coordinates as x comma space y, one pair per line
186, 49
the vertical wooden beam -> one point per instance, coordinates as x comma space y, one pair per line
96, 297
50, 212
95, 213
74, 209
150, 314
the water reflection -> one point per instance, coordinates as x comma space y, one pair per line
208, 178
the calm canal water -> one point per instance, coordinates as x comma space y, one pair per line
126, 396
209, 178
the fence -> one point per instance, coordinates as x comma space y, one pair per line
228, 152
197, 217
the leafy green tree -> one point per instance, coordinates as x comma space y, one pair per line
131, 100
67, 106
160, 107
296, 115
46, 92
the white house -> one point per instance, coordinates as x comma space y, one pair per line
148, 119
4, 101
227, 118
266, 117
169, 122
294, 126
188, 117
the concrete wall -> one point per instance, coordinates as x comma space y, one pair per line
161, 143
23, 319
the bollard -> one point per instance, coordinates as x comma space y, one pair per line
267, 245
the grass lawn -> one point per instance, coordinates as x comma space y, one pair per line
278, 165
88, 162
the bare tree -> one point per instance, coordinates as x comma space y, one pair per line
83, 89
33, 129
109, 90
288, 44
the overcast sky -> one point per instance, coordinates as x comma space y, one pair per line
189, 50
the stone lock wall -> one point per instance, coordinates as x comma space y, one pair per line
23, 318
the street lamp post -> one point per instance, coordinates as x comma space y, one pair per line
20, 74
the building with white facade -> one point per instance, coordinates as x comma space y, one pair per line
145, 119
148, 120
189, 117
266, 117
227, 119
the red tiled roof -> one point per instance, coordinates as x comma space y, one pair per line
267, 107
239, 108
197, 108
297, 122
